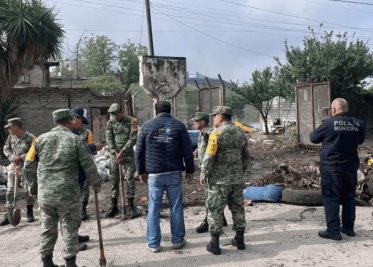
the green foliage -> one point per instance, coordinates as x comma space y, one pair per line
260, 92
104, 85
331, 57
129, 62
98, 56
29, 34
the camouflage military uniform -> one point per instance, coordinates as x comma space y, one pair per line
223, 168
121, 137
57, 155
17, 146
87, 137
203, 139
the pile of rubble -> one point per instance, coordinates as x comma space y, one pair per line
364, 189
305, 177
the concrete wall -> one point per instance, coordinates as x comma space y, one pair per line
37, 105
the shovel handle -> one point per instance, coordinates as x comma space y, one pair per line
16, 181
102, 259
122, 195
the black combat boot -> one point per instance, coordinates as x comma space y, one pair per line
203, 227
84, 213
114, 208
133, 212
48, 261
71, 262
30, 213
238, 240
213, 246
4, 220
83, 238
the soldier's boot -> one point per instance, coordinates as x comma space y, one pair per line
213, 246
30, 213
133, 212
70, 262
4, 220
114, 208
238, 240
203, 227
48, 261
83, 238
84, 213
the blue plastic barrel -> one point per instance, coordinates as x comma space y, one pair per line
268, 193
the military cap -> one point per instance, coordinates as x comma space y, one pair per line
82, 113
14, 122
200, 116
222, 110
63, 113
114, 108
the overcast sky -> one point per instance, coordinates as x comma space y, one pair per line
227, 37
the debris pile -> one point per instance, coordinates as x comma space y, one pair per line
364, 189
305, 177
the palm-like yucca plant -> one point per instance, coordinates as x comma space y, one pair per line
29, 34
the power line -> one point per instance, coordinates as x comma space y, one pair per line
217, 39
298, 17
353, 2
232, 23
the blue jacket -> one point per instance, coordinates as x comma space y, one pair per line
340, 137
163, 145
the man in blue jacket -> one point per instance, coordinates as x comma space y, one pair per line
163, 151
340, 136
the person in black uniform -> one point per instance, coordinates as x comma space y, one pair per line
339, 161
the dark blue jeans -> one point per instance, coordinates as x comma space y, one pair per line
338, 188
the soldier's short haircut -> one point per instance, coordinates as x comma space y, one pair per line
162, 106
227, 117
206, 121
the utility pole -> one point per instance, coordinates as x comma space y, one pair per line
150, 32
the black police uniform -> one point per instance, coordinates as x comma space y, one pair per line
339, 161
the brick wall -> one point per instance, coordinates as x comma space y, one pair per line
37, 105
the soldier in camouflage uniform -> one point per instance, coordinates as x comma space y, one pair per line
201, 122
80, 118
121, 136
15, 149
57, 156
223, 168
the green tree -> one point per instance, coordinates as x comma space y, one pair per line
331, 57
129, 62
104, 85
259, 93
98, 56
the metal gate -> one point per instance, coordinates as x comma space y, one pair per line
312, 101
